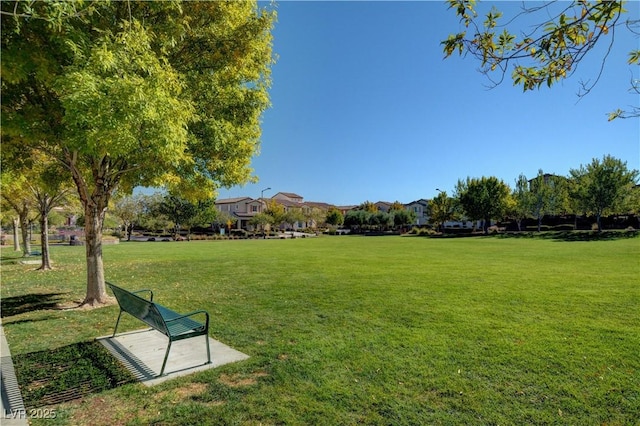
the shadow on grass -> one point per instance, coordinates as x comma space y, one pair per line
29, 320
9, 260
69, 373
17, 305
570, 236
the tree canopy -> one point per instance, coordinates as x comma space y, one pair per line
483, 199
442, 209
128, 94
603, 185
549, 51
335, 217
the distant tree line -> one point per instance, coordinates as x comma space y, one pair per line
601, 188
367, 217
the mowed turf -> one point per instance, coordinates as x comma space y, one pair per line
364, 330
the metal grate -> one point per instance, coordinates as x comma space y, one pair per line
68, 373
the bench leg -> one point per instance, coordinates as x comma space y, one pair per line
206, 336
117, 322
166, 356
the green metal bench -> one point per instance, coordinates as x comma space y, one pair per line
170, 323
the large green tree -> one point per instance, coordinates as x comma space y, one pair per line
547, 195
292, 216
603, 186
16, 195
403, 217
442, 208
276, 211
129, 209
631, 204
368, 206
357, 219
186, 214
335, 217
128, 94
521, 200
483, 199
544, 42
50, 187
262, 221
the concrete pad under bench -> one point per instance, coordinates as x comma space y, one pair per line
142, 353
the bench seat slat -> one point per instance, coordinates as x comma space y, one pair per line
180, 326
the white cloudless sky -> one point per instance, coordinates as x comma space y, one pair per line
365, 108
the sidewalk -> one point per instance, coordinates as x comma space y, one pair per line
12, 411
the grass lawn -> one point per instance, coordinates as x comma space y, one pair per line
363, 330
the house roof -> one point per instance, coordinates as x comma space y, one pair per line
244, 215
320, 205
288, 195
351, 207
232, 200
288, 203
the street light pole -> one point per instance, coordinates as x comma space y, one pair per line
262, 192
441, 224
264, 234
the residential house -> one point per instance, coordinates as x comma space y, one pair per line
345, 209
288, 197
383, 206
291, 201
420, 208
241, 209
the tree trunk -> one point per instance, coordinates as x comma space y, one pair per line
94, 219
16, 237
24, 230
94, 202
44, 241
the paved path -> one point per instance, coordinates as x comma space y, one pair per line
12, 412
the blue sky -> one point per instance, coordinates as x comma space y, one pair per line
365, 108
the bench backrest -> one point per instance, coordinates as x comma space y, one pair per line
140, 308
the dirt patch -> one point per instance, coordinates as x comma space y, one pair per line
179, 394
100, 411
190, 390
93, 411
78, 305
241, 380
